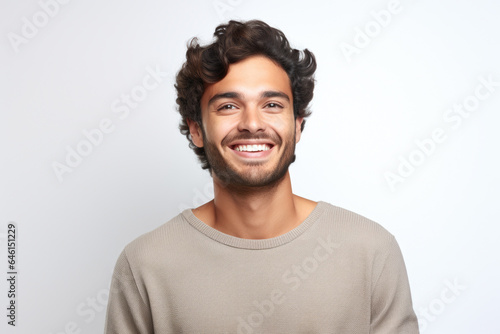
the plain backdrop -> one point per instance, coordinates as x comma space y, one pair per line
84, 171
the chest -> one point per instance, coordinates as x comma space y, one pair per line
313, 291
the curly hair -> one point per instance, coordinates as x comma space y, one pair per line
236, 41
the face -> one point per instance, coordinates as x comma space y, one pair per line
249, 130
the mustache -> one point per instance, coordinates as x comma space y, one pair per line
272, 137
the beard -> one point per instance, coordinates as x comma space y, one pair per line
256, 177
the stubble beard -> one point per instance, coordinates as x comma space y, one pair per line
256, 178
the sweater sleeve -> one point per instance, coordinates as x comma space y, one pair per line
392, 309
127, 311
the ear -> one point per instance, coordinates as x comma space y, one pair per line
195, 132
298, 126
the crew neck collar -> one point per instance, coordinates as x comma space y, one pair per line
236, 242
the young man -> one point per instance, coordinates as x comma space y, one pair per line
257, 258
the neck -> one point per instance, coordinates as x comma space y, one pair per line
255, 213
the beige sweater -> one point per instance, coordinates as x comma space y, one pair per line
337, 272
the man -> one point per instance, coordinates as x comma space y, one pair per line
257, 258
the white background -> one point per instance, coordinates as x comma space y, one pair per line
369, 109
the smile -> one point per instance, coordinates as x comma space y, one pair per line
252, 148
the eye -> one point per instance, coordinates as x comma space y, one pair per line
273, 105
226, 107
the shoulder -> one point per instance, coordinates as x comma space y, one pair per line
354, 228
360, 239
157, 244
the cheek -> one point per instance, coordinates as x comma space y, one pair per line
283, 126
217, 129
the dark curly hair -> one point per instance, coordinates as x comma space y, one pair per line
234, 42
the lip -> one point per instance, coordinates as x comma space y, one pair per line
251, 142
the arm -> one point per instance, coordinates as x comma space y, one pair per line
127, 311
392, 310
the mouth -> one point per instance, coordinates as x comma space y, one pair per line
252, 147
252, 150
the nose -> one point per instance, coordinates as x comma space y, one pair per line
251, 120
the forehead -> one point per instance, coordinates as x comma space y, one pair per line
250, 77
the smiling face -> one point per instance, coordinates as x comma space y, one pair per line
249, 130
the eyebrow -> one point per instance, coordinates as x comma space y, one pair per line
227, 95
235, 95
273, 93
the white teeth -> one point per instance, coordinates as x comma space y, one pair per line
252, 148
